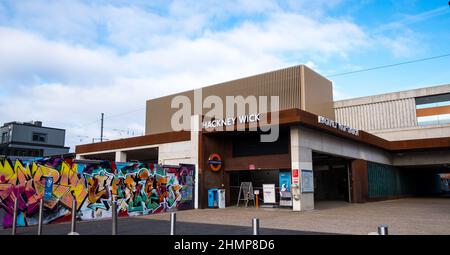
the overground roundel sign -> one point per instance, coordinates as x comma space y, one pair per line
215, 162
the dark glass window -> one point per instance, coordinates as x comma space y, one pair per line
4, 137
250, 145
39, 137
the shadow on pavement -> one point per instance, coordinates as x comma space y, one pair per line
136, 226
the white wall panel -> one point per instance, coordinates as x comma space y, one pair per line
380, 115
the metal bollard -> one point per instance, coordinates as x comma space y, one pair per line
114, 218
41, 211
74, 214
173, 219
14, 223
383, 230
255, 226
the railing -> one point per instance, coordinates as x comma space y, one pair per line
382, 229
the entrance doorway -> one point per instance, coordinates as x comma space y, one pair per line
257, 178
331, 177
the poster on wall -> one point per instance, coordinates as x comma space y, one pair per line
307, 181
285, 189
285, 181
48, 188
269, 193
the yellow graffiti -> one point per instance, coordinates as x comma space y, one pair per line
66, 182
97, 189
7, 172
69, 178
21, 173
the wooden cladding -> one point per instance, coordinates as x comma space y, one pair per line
429, 143
431, 111
300, 117
285, 118
268, 162
359, 181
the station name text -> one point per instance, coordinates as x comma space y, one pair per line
337, 125
232, 121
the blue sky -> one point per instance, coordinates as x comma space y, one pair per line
64, 62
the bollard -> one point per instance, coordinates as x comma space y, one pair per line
114, 218
255, 226
383, 230
173, 219
74, 214
16, 201
41, 210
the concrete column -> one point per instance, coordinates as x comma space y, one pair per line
121, 156
301, 159
195, 138
78, 156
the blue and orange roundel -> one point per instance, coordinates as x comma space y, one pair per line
215, 162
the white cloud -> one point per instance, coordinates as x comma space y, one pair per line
286, 32
26, 58
66, 80
405, 44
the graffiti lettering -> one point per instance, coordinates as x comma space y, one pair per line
138, 188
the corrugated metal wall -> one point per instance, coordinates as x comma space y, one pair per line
388, 181
383, 180
378, 116
285, 83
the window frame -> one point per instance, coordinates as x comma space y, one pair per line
39, 136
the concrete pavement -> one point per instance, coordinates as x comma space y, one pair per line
141, 226
409, 216
429, 216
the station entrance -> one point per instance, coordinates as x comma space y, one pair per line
258, 178
331, 178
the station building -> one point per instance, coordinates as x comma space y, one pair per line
357, 150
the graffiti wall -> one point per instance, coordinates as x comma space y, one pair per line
138, 188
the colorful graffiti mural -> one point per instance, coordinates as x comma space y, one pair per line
138, 188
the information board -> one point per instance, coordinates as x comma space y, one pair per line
269, 193
307, 181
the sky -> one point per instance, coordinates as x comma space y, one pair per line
64, 62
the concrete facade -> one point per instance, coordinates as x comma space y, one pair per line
19, 139
392, 116
168, 153
400, 113
422, 158
326, 143
301, 159
414, 132
195, 141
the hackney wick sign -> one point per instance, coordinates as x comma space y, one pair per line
337, 125
250, 118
